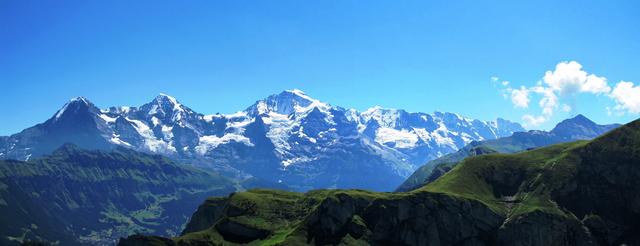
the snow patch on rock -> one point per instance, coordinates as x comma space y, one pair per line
400, 138
211, 142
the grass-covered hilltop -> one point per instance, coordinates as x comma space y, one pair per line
578, 193
569, 130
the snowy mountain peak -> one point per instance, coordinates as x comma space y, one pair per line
297, 92
166, 108
384, 116
165, 96
79, 100
74, 104
286, 103
164, 99
295, 96
379, 110
447, 116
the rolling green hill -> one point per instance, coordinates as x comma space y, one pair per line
578, 193
576, 128
75, 196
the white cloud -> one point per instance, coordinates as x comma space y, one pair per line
520, 97
569, 78
494, 79
530, 120
627, 97
548, 103
563, 83
549, 100
596, 85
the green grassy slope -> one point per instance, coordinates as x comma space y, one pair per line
578, 128
496, 178
435, 168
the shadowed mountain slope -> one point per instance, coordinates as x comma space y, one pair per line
75, 196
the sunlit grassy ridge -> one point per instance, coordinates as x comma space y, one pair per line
526, 177
577, 128
279, 215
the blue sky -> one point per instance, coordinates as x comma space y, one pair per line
217, 56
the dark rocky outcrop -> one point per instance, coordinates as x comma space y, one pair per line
540, 228
206, 215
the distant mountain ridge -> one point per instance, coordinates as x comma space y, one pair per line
289, 138
576, 128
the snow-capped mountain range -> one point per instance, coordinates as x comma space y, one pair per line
289, 138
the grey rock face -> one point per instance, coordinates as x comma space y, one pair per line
540, 228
